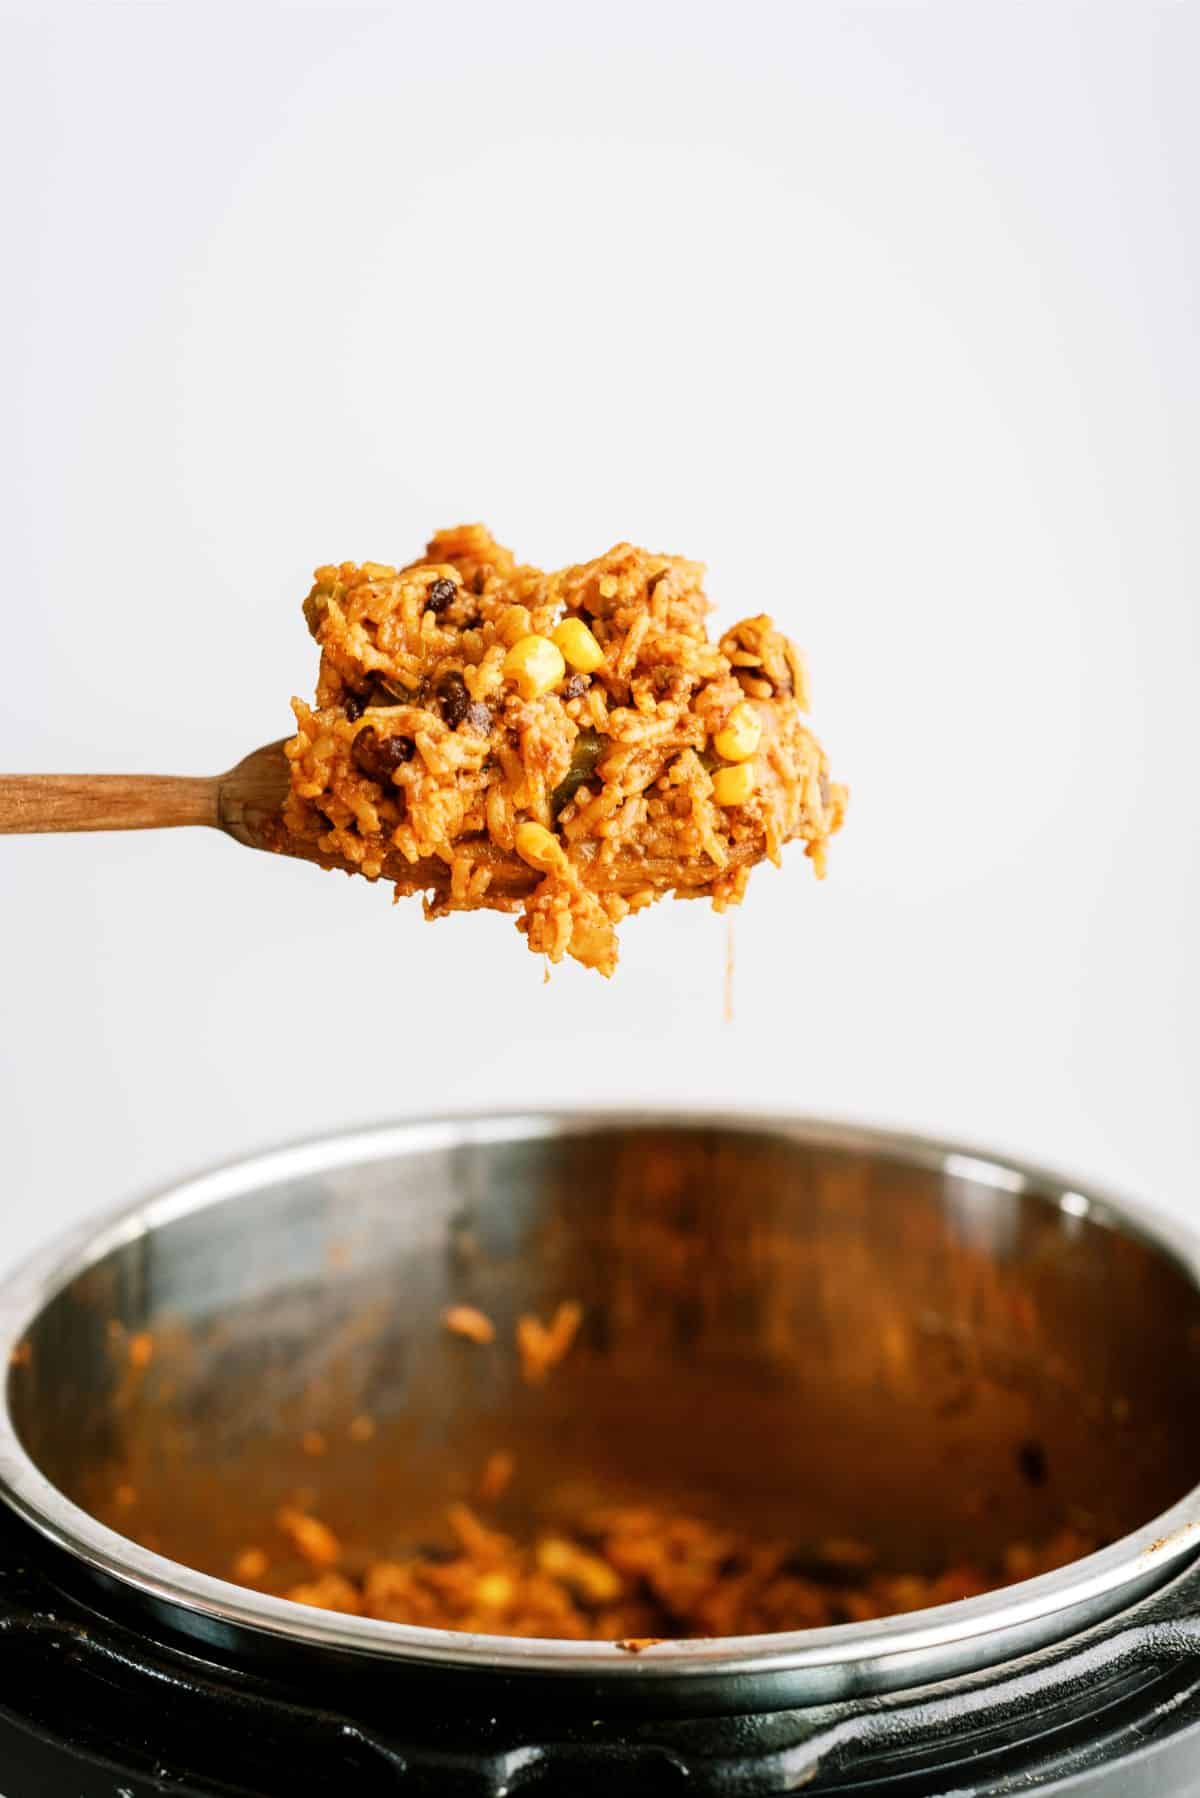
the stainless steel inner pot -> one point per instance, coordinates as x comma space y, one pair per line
809, 1329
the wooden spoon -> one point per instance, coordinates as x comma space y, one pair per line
247, 804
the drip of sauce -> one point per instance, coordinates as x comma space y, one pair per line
728, 1007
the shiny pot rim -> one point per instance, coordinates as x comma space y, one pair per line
928, 1644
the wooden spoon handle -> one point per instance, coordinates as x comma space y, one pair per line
42, 802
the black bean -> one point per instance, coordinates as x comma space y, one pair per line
457, 707
354, 707
821, 1571
439, 1553
442, 594
454, 702
576, 687
1031, 1459
378, 757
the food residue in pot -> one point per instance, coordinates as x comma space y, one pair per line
630, 1574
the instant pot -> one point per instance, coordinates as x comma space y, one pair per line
821, 1330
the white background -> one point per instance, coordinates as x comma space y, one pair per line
886, 313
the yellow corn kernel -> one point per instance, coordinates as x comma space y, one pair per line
579, 647
740, 734
733, 786
535, 665
586, 1574
250, 1566
494, 1590
513, 624
539, 847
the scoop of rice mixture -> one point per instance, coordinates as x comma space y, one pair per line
568, 746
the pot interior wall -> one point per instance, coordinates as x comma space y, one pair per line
805, 1338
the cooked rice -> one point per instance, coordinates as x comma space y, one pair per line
638, 1574
422, 757
542, 1346
470, 1323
